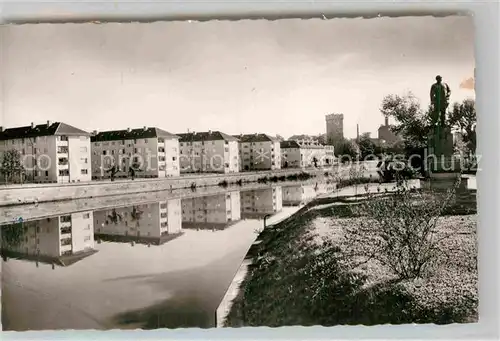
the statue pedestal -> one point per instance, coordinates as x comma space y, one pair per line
439, 152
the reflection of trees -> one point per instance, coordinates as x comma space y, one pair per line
136, 215
114, 217
12, 235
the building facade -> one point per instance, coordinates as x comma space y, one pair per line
334, 127
209, 212
385, 135
259, 152
150, 151
306, 154
208, 152
52, 152
153, 223
58, 240
261, 202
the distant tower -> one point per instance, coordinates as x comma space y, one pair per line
334, 127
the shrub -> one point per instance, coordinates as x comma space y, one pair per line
399, 231
223, 183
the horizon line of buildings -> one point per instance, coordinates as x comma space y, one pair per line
60, 153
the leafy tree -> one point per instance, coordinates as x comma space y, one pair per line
11, 167
463, 118
366, 145
412, 123
346, 148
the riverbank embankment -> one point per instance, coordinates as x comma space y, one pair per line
38, 193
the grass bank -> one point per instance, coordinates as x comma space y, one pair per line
298, 278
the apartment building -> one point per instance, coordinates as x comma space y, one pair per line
261, 202
211, 212
52, 152
210, 152
152, 223
305, 154
153, 152
60, 240
259, 152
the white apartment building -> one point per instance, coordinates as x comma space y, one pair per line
261, 202
215, 211
259, 152
209, 152
306, 154
153, 152
60, 240
153, 223
52, 152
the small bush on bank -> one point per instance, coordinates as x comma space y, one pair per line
399, 231
223, 183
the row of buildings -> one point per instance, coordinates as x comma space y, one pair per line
66, 239
58, 152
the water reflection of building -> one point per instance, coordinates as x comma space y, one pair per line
211, 212
153, 223
299, 194
61, 240
261, 202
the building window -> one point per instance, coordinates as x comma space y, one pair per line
64, 172
83, 149
145, 140
104, 152
84, 160
112, 152
65, 218
161, 140
84, 171
61, 149
86, 215
46, 173
64, 138
62, 161
34, 150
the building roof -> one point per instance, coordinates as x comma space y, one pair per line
295, 144
256, 138
289, 144
48, 129
140, 133
205, 136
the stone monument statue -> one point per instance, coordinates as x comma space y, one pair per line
440, 142
440, 97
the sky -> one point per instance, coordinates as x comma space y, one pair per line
276, 77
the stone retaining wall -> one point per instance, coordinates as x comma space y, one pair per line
37, 193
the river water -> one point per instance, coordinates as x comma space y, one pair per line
150, 261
